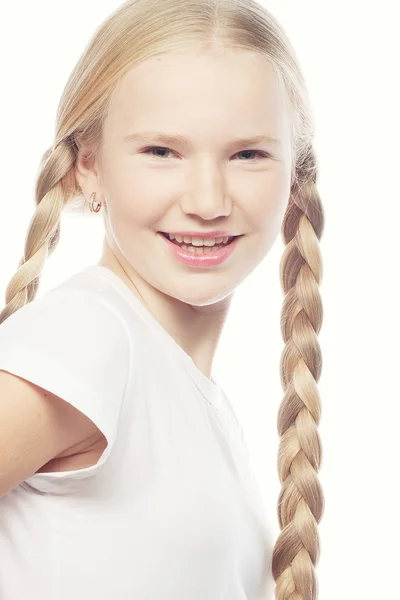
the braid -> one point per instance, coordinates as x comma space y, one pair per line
44, 229
301, 501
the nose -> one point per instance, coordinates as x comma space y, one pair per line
207, 196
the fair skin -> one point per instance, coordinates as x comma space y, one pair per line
215, 185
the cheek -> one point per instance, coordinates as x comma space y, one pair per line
269, 204
132, 198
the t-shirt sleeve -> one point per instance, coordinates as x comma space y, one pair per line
74, 344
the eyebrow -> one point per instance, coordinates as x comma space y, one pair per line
146, 136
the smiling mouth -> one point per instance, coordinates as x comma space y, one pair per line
183, 243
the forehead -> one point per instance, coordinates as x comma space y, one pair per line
188, 90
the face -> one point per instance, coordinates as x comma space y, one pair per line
212, 183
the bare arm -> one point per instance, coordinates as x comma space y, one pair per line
35, 427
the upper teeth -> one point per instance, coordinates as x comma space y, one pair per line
198, 241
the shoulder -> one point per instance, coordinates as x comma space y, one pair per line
68, 308
71, 339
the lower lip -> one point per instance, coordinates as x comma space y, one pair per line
211, 259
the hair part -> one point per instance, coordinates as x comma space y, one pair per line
135, 32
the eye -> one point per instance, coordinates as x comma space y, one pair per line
261, 154
151, 148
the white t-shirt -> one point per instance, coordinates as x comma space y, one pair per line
171, 511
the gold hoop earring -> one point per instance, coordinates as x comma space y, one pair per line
98, 204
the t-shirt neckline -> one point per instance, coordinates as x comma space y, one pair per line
211, 389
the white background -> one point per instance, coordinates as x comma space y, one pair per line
350, 58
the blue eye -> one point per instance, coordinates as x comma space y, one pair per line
261, 154
151, 148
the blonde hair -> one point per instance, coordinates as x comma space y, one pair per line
140, 29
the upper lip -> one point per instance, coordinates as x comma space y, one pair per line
202, 234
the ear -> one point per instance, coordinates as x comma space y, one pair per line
87, 173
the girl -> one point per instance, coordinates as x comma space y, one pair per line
123, 467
